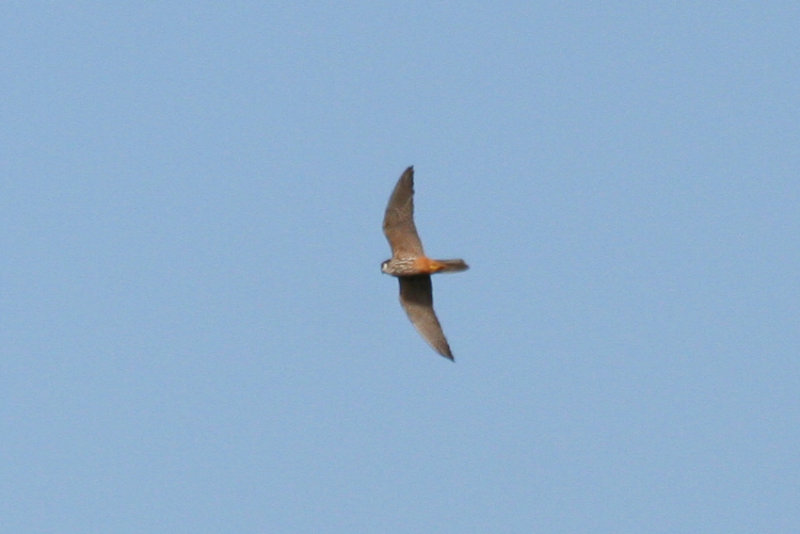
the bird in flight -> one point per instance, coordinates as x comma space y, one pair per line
410, 265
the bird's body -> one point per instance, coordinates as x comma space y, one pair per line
412, 267
421, 265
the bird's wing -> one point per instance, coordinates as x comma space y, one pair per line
416, 296
398, 221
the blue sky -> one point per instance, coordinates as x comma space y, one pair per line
196, 336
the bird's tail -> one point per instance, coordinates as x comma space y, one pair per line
448, 266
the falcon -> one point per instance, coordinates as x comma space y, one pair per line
412, 267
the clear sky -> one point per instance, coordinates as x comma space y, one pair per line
196, 335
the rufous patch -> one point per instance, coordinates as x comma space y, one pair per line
427, 266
